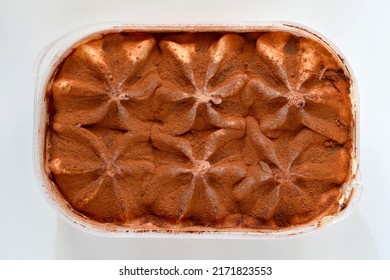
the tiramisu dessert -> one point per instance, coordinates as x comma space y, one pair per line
201, 130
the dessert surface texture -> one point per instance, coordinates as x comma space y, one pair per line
211, 130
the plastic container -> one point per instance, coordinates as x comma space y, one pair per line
53, 54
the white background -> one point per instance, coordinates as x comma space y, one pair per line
29, 227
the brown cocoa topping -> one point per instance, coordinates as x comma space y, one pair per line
224, 130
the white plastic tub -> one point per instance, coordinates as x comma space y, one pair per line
53, 54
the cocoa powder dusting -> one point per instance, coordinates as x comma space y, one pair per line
218, 130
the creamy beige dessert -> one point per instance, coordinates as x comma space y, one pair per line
228, 131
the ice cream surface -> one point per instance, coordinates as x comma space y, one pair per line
205, 129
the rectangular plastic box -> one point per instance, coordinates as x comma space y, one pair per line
50, 57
